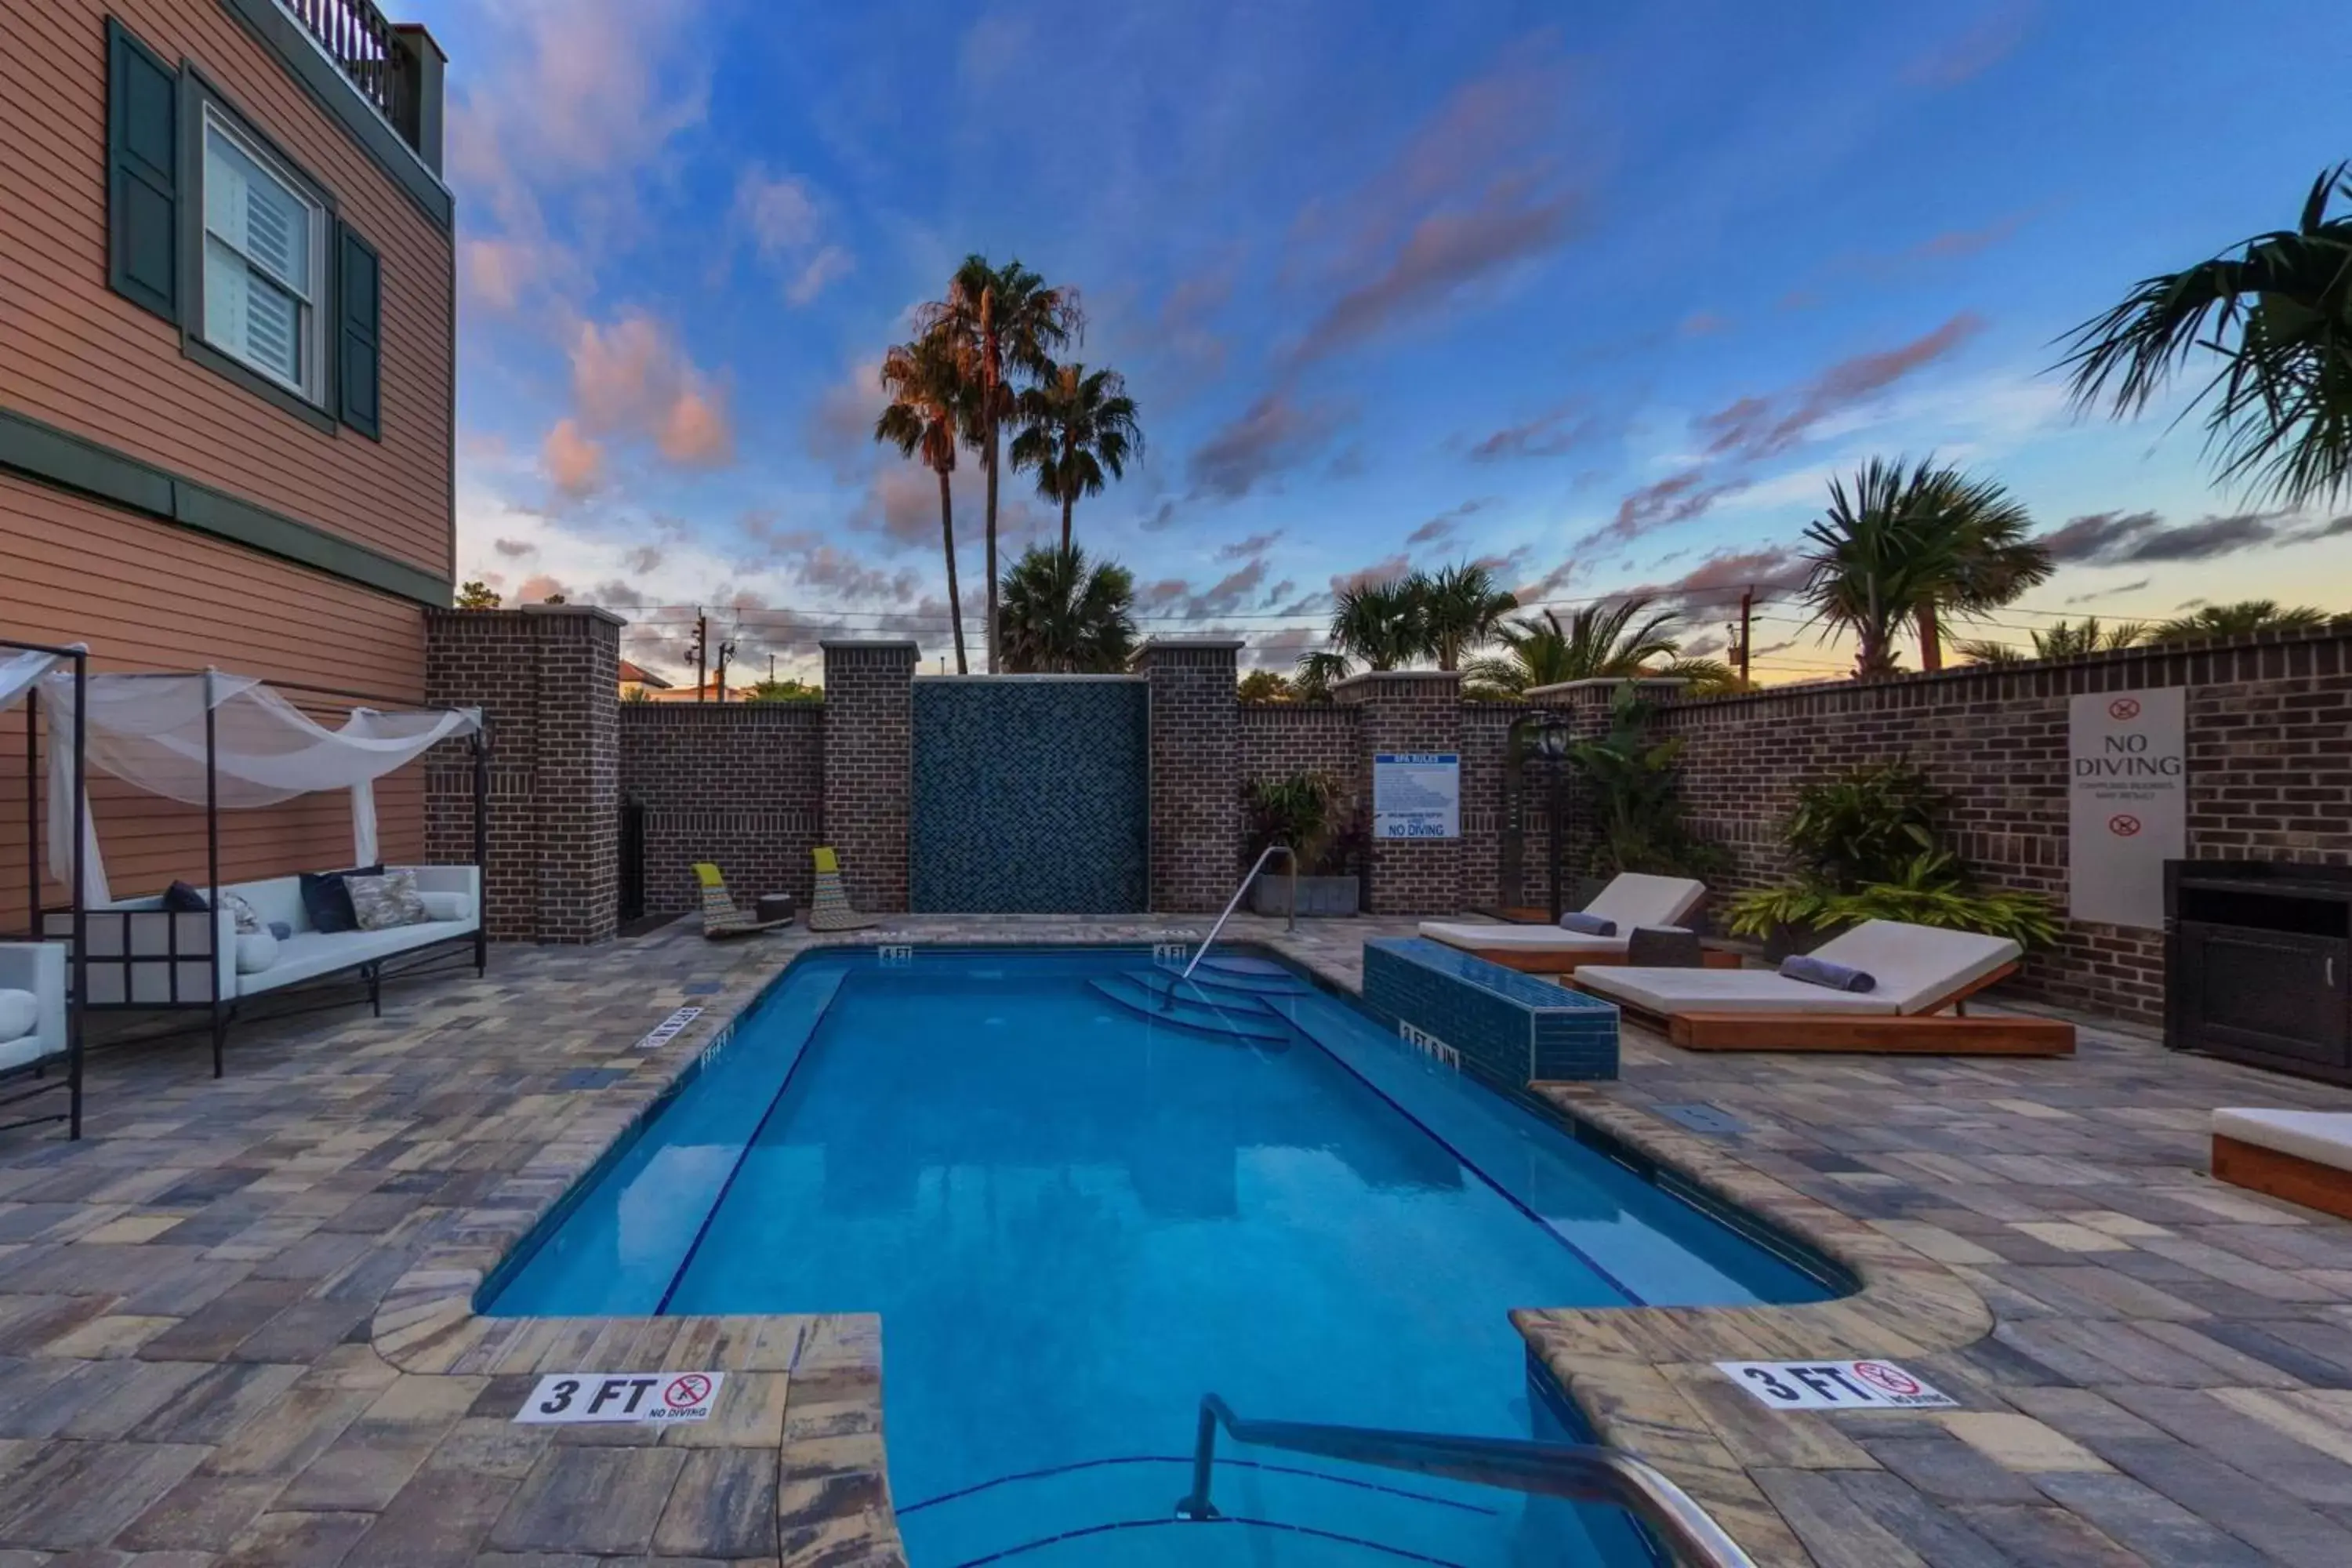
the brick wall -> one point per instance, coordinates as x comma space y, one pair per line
546, 677
868, 766
741, 784
1195, 758
2270, 775
1278, 739
1488, 879
1409, 711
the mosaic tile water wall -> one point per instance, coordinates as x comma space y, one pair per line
1031, 797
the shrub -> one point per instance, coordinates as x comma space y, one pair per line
1864, 827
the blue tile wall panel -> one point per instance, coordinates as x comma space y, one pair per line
1510, 1025
1030, 796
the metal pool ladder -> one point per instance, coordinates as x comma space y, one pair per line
1234, 902
1579, 1472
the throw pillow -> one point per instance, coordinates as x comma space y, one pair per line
282, 930
448, 906
20, 1014
327, 902
183, 899
1587, 925
247, 918
383, 902
1822, 971
256, 951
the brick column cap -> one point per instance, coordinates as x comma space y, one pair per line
584, 612
1361, 687
1150, 643
1605, 686
869, 645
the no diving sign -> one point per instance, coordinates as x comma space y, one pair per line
1834, 1385
564, 1397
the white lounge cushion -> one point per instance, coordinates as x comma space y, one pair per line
20, 1014
1666, 990
1916, 966
256, 951
449, 906
17, 1053
1633, 899
1518, 938
2323, 1137
308, 954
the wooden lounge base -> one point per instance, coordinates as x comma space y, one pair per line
1528, 962
2288, 1176
1914, 1034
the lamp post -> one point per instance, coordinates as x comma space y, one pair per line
1550, 737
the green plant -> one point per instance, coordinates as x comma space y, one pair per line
1865, 827
930, 402
1461, 609
1077, 425
1929, 890
784, 691
1636, 786
1265, 686
2235, 620
1064, 615
1295, 810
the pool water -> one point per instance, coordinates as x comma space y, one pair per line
1077, 1213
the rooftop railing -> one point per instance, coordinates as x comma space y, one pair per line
360, 40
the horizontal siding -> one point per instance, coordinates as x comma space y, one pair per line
81, 357
148, 596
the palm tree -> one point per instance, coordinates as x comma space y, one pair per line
1461, 609
1385, 624
2235, 620
928, 403
1871, 566
2279, 315
1317, 673
1991, 561
1002, 322
1265, 686
1075, 426
1064, 615
1600, 642
2061, 639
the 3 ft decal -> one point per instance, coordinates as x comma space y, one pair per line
564, 1399
1834, 1385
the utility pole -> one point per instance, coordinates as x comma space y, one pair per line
726, 652
1747, 630
701, 651
771, 667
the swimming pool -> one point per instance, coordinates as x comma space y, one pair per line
1077, 1212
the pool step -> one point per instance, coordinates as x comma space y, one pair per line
1240, 972
1145, 993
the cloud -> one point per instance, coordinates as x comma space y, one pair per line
1703, 324
514, 548
1380, 570
1957, 242
1162, 517
643, 558
574, 463
539, 589
631, 379
2118, 591
1977, 48
1272, 435
1542, 588
779, 213
1473, 192
586, 87
2110, 539
1678, 497
827, 266
1717, 582
1443, 524
1755, 428
840, 428
1243, 549
1548, 434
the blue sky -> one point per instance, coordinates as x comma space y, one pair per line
1599, 294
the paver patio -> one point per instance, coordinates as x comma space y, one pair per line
227, 1338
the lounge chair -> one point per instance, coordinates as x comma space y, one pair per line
1631, 899
2302, 1156
1920, 971
829, 911
721, 915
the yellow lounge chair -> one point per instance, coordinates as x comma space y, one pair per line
721, 917
829, 911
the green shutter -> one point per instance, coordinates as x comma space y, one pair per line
142, 206
360, 347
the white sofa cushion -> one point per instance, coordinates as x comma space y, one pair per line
18, 1052
1916, 966
1665, 990
20, 1014
308, 954
256, 951
1633, 899
1518, 938
2323, 1137
449, 906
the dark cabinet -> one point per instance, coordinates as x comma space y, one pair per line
2259, 963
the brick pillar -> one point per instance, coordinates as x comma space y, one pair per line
1408, 710
869, 767
547, 678
1196, 822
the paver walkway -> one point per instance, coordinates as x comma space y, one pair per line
194, 1304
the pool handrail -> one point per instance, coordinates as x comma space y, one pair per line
1234, 902
1579, 1472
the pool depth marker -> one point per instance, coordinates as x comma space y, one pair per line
604, 1398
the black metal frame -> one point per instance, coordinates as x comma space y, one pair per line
371, 972
77, 954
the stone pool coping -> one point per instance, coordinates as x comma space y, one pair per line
811, 1387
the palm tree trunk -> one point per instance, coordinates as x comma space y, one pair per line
992, 539
1065, 525
1064, 485
947, 536
1931, 638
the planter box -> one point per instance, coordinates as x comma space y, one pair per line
1318, 896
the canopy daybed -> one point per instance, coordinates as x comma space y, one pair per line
229, 742
40, 1039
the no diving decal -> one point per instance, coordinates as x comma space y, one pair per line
1834, 1385
563, 1398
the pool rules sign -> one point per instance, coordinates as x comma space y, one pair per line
2127, 765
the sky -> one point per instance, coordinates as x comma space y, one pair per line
1599, 295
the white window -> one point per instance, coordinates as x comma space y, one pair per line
265, 256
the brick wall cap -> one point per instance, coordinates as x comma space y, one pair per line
1369, 676
1606, 683
869, 645
1032, 675
1232, 643
587, 612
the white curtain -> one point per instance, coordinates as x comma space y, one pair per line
149, 730
17, 673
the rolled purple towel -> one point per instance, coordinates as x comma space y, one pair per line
1822, 971
1584, 924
